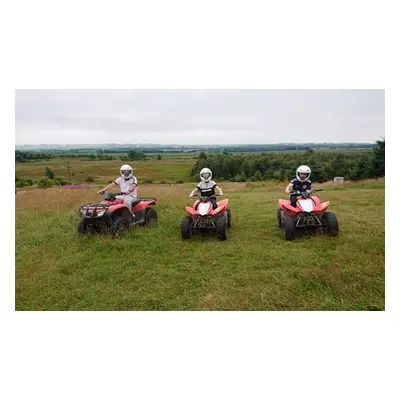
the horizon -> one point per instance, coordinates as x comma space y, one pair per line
192, 145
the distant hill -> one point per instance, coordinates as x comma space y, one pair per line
119, 148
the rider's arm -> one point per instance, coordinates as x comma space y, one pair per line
132, 187
108, 187
195, 192
218, 191
289, 188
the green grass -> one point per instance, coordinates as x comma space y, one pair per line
154, 269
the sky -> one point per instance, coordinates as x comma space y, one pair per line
198, 116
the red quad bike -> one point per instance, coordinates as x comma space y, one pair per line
309, 214
113, 216
206, 219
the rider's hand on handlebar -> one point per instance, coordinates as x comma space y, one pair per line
101, 192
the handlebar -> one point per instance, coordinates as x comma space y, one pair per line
102, 193
205, 197
302, 193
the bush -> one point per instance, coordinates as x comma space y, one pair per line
61, 182
145, 181
49, 173
159, 157
180, 181
90, 179
239, 178
45, 183
163, 182
23, 182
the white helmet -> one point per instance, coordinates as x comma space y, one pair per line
303, 169
126, 171
205, 175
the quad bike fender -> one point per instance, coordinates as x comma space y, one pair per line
316, 200
217, 210
281, 202
221, 207
223, 203
322, 207
191, 211
142, 205
288, 209
116, 207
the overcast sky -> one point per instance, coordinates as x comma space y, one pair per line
198, 116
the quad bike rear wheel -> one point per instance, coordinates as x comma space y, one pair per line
119, 226
151, 216
288, 228
330, 224
279, 216
222, 228
186, 228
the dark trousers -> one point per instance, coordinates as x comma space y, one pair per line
293, 200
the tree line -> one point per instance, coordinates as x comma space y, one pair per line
325, 165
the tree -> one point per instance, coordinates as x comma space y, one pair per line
49, 173
159, 157
338, 164
135, 155
258, 176
378, 162
363, 169
203, 155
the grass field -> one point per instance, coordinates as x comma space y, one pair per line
169, 169
152, 268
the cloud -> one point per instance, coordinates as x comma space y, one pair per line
198, 116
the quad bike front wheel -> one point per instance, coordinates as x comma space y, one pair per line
186, 228
82, 227
229, 217
279, 216
119, 226
288, 228
151, 216
222, 228
330, 224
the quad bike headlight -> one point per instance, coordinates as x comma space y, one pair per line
101, 213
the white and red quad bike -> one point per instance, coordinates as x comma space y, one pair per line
202, 217
309, 214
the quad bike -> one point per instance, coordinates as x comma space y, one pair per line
309, 214
202, 217
113, 216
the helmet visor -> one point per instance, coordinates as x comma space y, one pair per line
304, 175
126, 172
206, 175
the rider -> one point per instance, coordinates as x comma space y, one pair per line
301, 183
207, 187
127, 184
